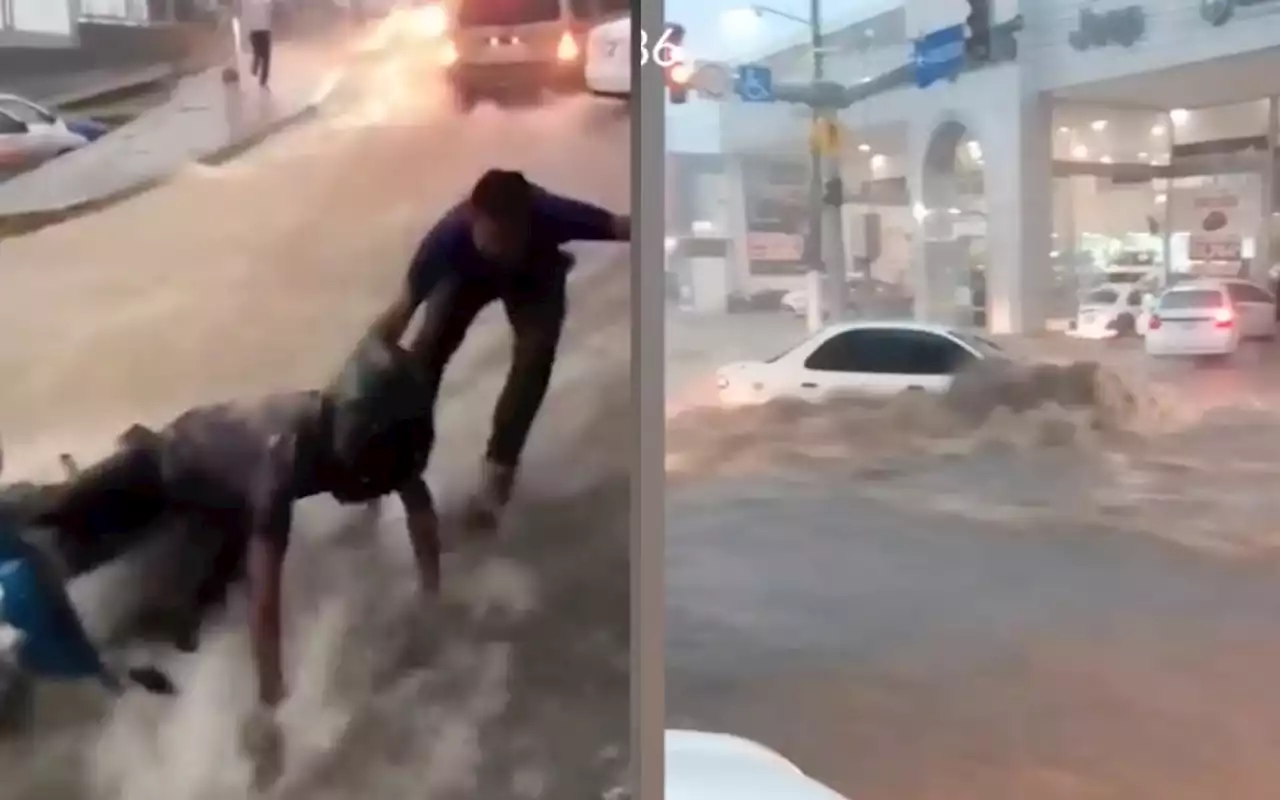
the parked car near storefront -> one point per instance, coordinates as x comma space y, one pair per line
24, 146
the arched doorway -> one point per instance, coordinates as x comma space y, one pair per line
952, 213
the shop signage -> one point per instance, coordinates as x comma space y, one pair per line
776, 194
774, 247
939, 55
1220, 12
1216, 222
1121, 27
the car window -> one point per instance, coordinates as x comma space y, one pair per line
1135, 297
925, 353
9, 125
1248, 293
1102, 297
980, 344
851, 351
889, 352
483, 13
1191, 299
25, 112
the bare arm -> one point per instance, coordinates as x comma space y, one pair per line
266, 569
426, 269
391, 324
424, 532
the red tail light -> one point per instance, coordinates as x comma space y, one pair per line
1224, 318
1154, 323
567, 49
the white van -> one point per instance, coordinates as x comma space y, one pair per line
499, 48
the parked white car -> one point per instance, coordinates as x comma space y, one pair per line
1210, 318
717, 766
608, 61
29, 135
1111, 310
867, 358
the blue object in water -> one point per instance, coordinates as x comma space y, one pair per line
90, 129
34, 601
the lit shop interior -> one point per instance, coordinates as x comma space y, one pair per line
1184, 192
1172, 193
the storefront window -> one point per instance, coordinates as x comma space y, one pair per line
1159, 195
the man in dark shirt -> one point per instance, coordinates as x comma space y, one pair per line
502, 243
236, 469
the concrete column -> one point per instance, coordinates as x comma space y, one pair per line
735, 220
1166, 227
1019, 196
1262, 253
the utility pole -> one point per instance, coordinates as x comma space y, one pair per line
826, 277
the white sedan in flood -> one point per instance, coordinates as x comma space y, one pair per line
1210, 318
861, 358
717, 766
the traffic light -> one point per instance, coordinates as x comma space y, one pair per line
678, 77
978, 44
678, 74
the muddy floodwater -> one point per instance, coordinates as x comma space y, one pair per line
1058, 581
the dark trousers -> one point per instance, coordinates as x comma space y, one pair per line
535, 306
260, 49
114, 504
98, 515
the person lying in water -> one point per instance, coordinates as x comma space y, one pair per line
235, 470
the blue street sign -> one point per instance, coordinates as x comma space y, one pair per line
939, 55
754, 84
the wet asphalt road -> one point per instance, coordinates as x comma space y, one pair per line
1070, 617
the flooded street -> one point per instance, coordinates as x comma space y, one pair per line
916, 603
260, 276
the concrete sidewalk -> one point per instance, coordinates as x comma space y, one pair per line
205, 120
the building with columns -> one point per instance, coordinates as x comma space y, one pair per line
1105, 143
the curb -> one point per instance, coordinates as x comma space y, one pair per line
23, 223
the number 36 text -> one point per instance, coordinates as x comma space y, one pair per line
665, 51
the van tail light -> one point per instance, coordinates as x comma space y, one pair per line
448, 53
568, 49
1154, 323
1224, 318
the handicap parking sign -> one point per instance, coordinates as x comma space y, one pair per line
754, 84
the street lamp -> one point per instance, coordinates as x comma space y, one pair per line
830, 263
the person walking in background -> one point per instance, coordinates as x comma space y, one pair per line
255, 19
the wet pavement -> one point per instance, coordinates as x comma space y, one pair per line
202, 117
260, 275
1062, 603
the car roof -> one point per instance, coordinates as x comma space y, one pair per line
711, 766
1202, 284
896, 324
